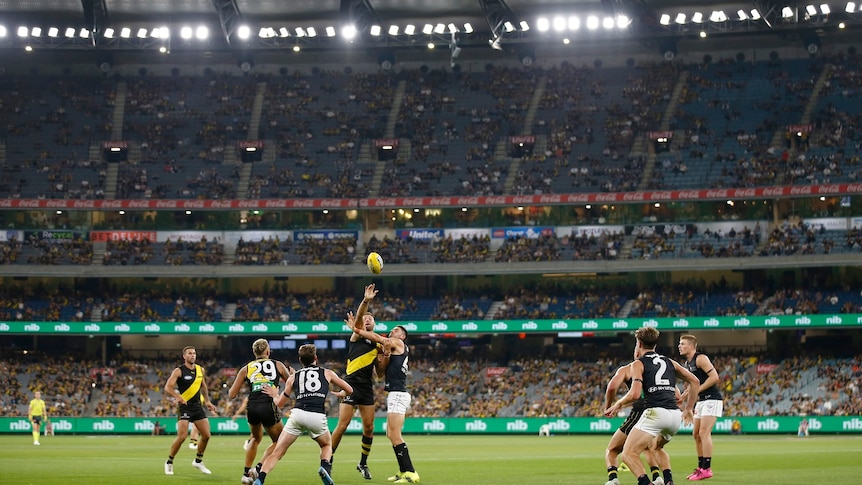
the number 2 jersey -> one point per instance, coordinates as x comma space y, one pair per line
311, 388
659, 381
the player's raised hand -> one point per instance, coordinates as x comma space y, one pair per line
370, 292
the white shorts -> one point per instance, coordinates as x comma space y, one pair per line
301, 420
660, 421
397, 402
709, 407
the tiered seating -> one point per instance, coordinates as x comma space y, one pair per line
730, 115
171, 253
318, 124
49, 124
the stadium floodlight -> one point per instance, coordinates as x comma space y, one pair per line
439, 29
786, 12
300, 32
664, 19
468, 28
623, 22
824, 9
430, 45
330, 31
311, 31
53, 32
202, 32
566, 41
755, 14
453, 29
3, 31
559, 24
608, 23
84, 33
697, 17
427, 29
543, 24
125, 32
243, 32
702, 34
265, 33
29, 48
410, 29
680, 18
592, 22
23, 31
375, 30
186, 32
163, 50
718, 16
36, 32
850, 8
811, 9
574, 23
109, 33
142, 33
393, 30
525, 27
348, 32
508, 26
742, 14
296, 48
283, 32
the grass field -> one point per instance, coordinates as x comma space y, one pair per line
444, 460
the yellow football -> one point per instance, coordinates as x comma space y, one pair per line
375, 263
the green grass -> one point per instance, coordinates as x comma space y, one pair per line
445, 460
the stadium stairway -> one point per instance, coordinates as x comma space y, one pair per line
492, 310
118, 116
397, 99
99, 248
256, 112
244, 179
229, 312
530, 117
669, 111
2, 152
111, 176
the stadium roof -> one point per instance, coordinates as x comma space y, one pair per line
266, 24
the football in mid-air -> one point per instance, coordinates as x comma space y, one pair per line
375, 263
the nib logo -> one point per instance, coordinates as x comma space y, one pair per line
469, 326
476, 425
854, 424
410, 327
236, 328
651, 323
229, 425
92, 327
560, 425
62, 328
601, 425
103, 425
499, 326
122, 328
4, 327
724, 425
182, 328
260, 327
517, 425
152, 328
435, 425
291, 327
768, 425
803, 321
206, 328
814, 424
355, 425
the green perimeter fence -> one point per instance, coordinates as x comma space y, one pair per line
749, 425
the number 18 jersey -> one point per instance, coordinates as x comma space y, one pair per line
311, 388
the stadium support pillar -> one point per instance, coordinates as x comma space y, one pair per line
95, 17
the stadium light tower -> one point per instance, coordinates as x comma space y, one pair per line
499, 17
229, 16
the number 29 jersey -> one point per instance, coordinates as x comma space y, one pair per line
261, 372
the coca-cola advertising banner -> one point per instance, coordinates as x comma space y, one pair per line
454, 201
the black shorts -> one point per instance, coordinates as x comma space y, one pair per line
363, 395
261, 412
37, 420
631, 420
191, 412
